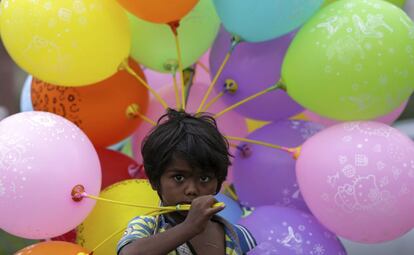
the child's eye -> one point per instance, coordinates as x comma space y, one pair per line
205, 178
179, 178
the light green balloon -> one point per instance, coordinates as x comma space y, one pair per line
153, 45
399, 3
354, 60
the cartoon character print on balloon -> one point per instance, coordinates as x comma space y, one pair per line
65, 101
354, 44
363, 180
352, 196
287, 231
365, 192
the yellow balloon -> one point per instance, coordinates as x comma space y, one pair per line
66, 42
107, 218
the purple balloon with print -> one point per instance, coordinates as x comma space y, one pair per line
254, 67
266, 176
287, 231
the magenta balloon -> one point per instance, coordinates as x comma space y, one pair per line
42, 157
287, 231
267, 176
358, 180
387, 119
254, 67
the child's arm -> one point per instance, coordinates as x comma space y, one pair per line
196, 221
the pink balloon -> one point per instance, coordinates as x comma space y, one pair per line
159, 80
357, 178
387, 119
42, 157
231, 123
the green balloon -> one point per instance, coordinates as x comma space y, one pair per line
399, 3
153, 45
354, 60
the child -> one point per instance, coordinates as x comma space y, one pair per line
186, 160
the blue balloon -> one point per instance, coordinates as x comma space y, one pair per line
233, 212
25, 96
262, 20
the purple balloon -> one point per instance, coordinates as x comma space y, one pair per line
266, 176
282, 230
254, 67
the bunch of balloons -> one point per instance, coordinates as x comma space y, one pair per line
304, 90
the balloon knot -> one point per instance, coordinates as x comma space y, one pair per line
78, 193
174, 26
135, 170
295, 152
231, 86
132, 111
245, 150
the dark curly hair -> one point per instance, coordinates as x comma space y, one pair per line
191, 137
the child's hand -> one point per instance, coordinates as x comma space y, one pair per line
201, 212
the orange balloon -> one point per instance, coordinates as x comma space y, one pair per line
159, 11
53, 248
100, 110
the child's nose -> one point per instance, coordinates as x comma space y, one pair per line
191, 189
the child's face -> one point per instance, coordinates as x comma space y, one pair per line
180, 184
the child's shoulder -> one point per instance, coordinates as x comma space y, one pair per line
246, 239
149, 221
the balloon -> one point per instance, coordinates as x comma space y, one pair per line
100, 110
42, 157
281, 230
25, 98
355, 59
258, 21
127, 149
67, 237
357, 179
62, 42
401, 246
266, 176
159, 11
108, 218
118, 146
52, 247
387, 119
117, 167
253, 67
158, 80
232, 212
252, 124
231, 123
399, 3
154, 46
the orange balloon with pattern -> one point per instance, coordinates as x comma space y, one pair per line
102, 110
159, 11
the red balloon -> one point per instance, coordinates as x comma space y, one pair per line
118, 167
